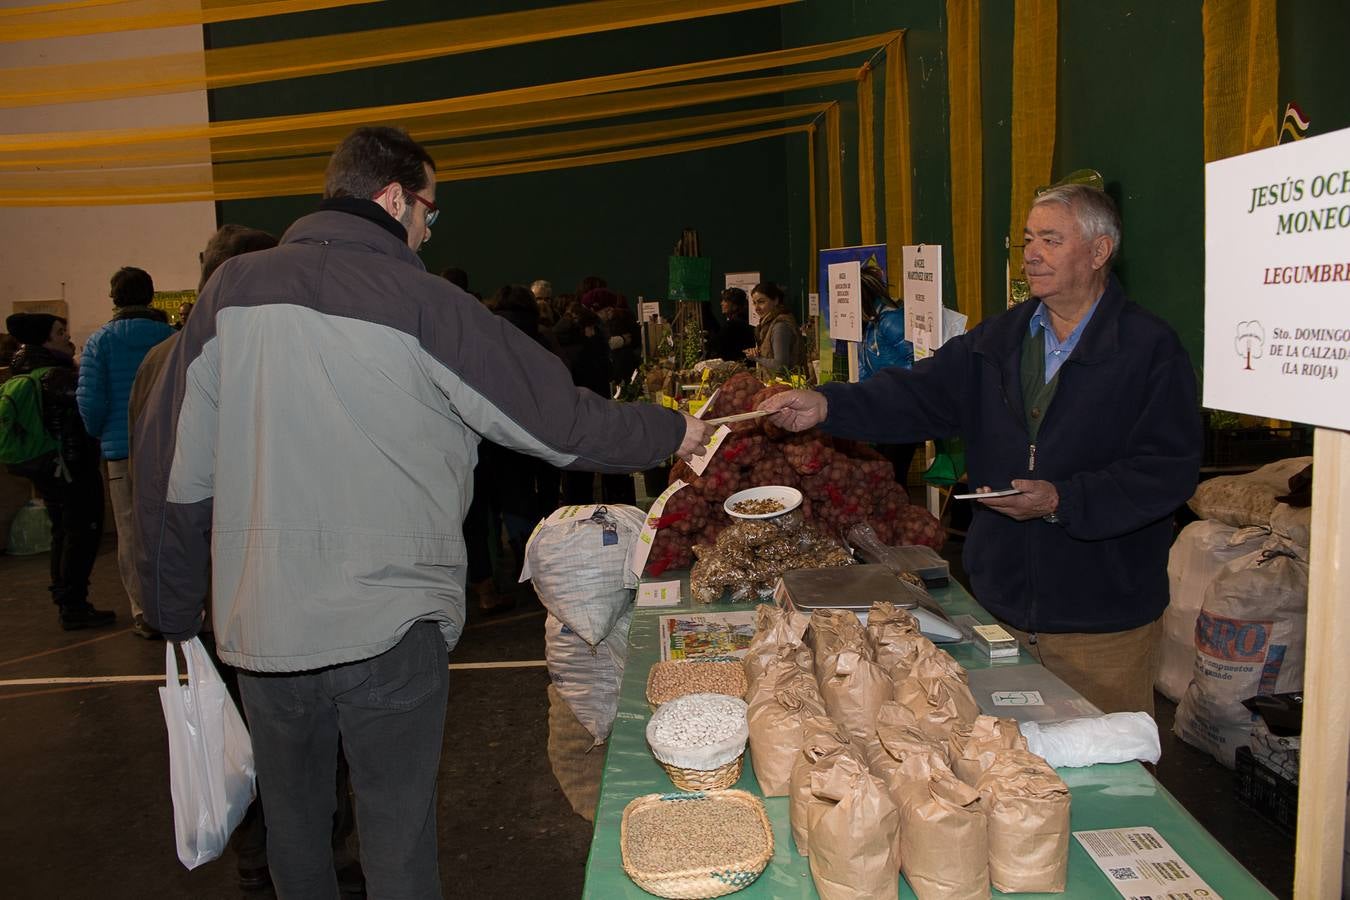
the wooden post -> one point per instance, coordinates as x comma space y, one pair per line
1326, 679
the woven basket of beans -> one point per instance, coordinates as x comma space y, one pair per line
705, 844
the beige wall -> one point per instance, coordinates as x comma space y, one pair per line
44, 248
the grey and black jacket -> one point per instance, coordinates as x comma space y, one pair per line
312, 439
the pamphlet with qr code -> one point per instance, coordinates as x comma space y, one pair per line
1142, 866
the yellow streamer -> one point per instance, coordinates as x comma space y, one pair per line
867, 160
309, 184
963, 83
350, 118
1242, 70
835, 175
255, 63
898, 191
26, 23
104, 151
1035, 67
236, 178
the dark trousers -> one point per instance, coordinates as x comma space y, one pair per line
389, 712
75, 508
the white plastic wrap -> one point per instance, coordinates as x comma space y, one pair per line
578, 559
1112, 738
702, 756
587, 677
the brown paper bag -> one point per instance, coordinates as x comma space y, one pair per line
1027, 806
854, 690
853, 828
764, 677
820, 738
775, 629
833, 631
944, 845
907, 753
938, 663
775, 725
893, 635
942, 704
972, 747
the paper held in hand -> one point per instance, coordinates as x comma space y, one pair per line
740, 417
986, 495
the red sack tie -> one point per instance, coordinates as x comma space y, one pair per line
655, 568
836, 496
669, 519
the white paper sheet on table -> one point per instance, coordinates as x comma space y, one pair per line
658, 593
1141, 865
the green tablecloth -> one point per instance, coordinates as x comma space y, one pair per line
1104, 796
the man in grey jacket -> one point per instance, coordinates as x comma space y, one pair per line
311, 444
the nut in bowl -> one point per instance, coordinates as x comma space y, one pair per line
763, 502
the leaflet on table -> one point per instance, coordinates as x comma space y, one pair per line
642, 547
1142, 866
658, 593
701, 635
699, 463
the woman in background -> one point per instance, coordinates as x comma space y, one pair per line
778, 342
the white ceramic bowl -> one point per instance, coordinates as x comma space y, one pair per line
790, 497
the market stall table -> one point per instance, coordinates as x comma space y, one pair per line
1104, 796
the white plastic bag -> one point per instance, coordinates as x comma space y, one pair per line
1112, 738
578, 559
210, 756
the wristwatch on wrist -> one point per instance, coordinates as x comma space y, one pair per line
1053, 516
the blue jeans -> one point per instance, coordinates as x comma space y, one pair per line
390, 713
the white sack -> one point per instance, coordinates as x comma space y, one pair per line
1249, 640
1199, 553
578, 559
587, 677
1242, 500
1112, 738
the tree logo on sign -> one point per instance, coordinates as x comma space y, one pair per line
1250, 342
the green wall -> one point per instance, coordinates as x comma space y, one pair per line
619, 221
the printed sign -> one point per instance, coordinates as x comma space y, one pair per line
1142, 866
923, 298
845, 288
1277, 282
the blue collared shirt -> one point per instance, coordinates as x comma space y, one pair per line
1056, 351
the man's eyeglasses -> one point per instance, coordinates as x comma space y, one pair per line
433, 211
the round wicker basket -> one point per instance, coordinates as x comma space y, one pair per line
717, 880
724, 776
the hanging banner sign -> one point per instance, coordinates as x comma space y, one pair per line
845, 289
923, 298
1277, 282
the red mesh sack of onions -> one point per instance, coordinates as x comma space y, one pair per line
832, 480
916, 525
681, 472
686, 513
670, 550
773, 469
719, 481
743, 449
735, 395
808, 452
887, 501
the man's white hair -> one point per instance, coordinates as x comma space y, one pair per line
542, 289
1093, 209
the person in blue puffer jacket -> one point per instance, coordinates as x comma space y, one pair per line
107, 370
884, 346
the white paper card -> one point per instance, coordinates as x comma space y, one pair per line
1142, 866
1277, 282
813, 304
658, 593
1017, 698
642, 547
699, 463
845, 300
650, 309
922, 282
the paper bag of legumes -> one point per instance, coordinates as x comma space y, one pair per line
833, 631
941, 704
820, 738
893, 634
972, 747
762, 678
775, 724
852, 826
775, 628
944, 845
1027, 806
854, 689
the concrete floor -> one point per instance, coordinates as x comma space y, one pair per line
85, 793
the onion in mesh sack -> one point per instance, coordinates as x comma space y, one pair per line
808, 452
915, 525
735, 396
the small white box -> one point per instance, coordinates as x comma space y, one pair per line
995, 640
